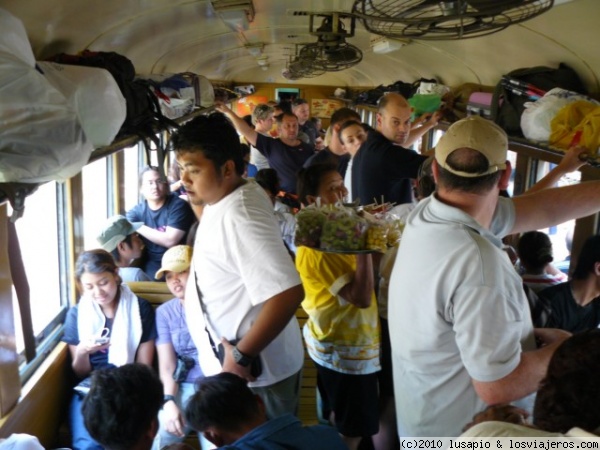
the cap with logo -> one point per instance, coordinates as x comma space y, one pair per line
475, 133
176, 259
116, 229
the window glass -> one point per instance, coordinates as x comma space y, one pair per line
512, 157
38, 232
95, 201
561, 235
131, 171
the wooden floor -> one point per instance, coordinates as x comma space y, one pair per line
307, 412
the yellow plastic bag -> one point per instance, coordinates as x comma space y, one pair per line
578, 116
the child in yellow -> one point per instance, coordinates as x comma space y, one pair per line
342, 332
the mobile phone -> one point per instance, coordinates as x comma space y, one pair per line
102, 340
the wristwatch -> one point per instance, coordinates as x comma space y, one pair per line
168, 398
240, 358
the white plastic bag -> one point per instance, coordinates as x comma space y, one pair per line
40, 136
174, 108
537, 116
95, 96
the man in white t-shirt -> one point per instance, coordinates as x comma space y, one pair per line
247, 282
262, 119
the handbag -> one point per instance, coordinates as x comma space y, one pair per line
184, 365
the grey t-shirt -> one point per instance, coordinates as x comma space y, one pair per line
457, 312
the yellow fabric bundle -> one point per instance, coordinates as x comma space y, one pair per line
578, 116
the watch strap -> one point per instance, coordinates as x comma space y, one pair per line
168, 398
241, 358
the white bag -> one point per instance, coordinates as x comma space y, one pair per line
40, 137
95, 96
537, 116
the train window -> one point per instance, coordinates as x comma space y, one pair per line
561, 235
512, 157
130, 183
40, 233
95, 200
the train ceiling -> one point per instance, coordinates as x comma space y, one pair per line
255, 40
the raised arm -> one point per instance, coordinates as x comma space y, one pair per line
570, 163
240, 124
359, 291
549, 207
422, 125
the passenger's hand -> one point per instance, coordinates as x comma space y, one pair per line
430, 119
547, 336
500, 413
435, 118
174, 420
222, 108
229, 364
90, 347
574, 158
420, 121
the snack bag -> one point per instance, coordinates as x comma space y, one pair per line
395, 228
343, 229
377, 233
309, 224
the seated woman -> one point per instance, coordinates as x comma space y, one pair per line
342, 331
177, 355
109, 326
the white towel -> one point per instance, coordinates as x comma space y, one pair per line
126, 331
194, 317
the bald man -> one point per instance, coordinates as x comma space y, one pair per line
383, 168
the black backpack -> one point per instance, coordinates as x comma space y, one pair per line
372, 96
144, 115
509, 99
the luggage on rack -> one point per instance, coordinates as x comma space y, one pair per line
144, 116
524, 85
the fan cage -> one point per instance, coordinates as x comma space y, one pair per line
330, 59
437, 20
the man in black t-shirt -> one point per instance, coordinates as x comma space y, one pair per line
382, 168
575, 305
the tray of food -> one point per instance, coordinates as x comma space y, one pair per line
345, 229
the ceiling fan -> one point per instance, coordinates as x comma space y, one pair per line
439, 20
331, 52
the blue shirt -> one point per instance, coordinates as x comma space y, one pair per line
286, 160
175, 213
287, 432
99, 360
172, 329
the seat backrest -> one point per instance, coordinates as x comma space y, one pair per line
156, 292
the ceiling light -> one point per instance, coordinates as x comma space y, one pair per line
255, 49
381, 44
